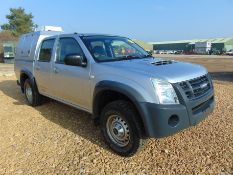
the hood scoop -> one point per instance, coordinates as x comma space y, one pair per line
163, 62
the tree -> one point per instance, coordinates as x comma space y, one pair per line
19, 22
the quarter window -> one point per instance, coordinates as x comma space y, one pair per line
67, 46
46, 50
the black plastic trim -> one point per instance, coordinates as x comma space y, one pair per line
126, 90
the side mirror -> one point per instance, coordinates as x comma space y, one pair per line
75, 60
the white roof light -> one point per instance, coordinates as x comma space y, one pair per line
52, 28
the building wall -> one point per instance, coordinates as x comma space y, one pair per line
190, 47
172, 46
228, 47
218, 46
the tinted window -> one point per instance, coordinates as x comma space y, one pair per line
100, 51
107, 48
46, 50
8, 49
67, 46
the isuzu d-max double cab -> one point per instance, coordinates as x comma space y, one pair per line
132, 95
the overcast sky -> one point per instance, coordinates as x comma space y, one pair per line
149, 20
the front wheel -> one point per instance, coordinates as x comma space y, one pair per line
120, 127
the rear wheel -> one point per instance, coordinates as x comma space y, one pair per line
31, 93
120, 127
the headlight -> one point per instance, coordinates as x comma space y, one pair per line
165, 92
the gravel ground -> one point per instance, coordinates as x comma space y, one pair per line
6, 70
57, 139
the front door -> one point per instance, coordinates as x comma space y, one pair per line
70, 83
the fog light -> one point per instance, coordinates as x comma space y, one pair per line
173, 120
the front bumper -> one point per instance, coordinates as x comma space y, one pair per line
165, 120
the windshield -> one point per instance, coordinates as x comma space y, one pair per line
8, 49
107, 48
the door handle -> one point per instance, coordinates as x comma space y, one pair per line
55, 70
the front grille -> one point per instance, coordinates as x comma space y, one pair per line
196, 87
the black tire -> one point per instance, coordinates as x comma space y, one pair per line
36, 97
126, 112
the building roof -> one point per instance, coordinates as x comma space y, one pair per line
214, 40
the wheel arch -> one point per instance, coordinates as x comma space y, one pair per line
115, 91
25, 74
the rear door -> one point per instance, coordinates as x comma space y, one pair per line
43, 66
70, 83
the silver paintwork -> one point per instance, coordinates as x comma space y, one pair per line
75, 85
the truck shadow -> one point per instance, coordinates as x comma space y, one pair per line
74, 120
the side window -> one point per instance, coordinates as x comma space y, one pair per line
46, 50
99, 50
67, 46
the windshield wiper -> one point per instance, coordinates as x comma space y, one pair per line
129, 57
147, 56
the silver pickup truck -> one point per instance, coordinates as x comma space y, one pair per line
132, 95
